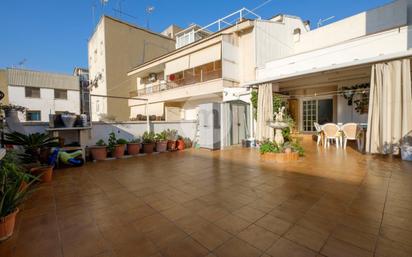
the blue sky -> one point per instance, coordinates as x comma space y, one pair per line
52, 34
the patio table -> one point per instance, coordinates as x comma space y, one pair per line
362, 139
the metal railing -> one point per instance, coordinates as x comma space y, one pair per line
188, 80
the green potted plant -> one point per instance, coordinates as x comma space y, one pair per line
36, 151
133, 146
11, 196
99, 150
180, 143
120, 148
161, 142
188, 142
148, 142
171, 135
116, 147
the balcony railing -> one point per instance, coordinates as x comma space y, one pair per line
187, 80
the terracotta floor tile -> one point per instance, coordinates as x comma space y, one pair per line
185, 248
276, 225
337, 248
166, 235
137, 248
210, 236
362, 240
232, 224
284, 247
306, 237
172, 202
249, 213
237, 248
212, 213
258, 237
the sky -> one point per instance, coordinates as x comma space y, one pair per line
52, 35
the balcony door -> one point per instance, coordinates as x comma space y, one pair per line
316, 110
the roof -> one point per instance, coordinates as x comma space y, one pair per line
130, 25
30, 78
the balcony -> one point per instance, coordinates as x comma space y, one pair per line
192, 76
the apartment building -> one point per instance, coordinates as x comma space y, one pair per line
209, 67
42, 93
114, 48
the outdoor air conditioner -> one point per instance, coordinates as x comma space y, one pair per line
152, 77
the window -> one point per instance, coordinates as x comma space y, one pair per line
33, 115
32, 92
60, 94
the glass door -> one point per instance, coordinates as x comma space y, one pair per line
316, 110
309, 115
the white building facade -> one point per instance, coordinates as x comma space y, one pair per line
42, 93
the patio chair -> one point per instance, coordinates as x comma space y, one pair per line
319, 132
350, 132
331, 131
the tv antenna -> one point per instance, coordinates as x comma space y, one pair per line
321, 21
149, 10
21, 63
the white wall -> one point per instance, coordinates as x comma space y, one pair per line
127, 130
97, 65
379, 19
46, 104
388, 42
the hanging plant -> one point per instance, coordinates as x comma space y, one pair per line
355, 95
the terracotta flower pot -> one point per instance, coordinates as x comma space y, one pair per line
133, 148
7, 225
45, 171
180, 144
161, 146
119, 151
171, 145
99, 153
148, 147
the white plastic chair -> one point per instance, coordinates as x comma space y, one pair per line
331, 131
319, 132
350, 132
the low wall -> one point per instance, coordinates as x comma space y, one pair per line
126, 130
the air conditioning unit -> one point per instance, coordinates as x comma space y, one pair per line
152, 77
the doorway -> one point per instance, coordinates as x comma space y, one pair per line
240, 129
316, 110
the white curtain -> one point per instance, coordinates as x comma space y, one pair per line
390, 106
264, 112
226, 125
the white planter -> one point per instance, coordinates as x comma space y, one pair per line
68, 120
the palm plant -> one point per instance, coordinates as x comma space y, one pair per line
31, 143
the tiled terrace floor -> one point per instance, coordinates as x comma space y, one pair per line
224, 203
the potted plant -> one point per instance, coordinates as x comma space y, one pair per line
180, 143
99, 150
11, 109
68, 119
11, 196
36, 151
171, 135
120, 148
133, 146
148, 142
161, 142
188, 142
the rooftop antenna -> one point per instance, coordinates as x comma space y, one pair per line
321, 21
149, 10
21, 63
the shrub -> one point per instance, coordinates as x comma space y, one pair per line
121, 141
